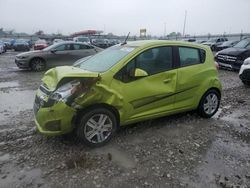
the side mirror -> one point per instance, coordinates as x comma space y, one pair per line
140, 73
53, 51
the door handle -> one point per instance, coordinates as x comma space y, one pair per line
167, 80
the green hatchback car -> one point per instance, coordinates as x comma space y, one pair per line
124, 84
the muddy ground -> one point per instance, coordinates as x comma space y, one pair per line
178, 151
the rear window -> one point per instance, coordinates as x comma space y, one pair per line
191, 56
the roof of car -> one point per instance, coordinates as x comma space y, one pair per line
72, 42
145, 43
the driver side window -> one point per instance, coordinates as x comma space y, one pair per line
152, 61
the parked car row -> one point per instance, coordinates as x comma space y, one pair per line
216, 44
99, 42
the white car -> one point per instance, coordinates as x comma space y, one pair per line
82, 39
57, 41
1, 49
244, 73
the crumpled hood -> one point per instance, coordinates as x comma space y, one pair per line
232, 51
53, 76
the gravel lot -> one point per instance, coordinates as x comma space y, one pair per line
178, 151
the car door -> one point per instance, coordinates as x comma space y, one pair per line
82, 50
191, 74
151, 95
60, 55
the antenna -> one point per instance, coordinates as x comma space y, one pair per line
184, 27
125, 41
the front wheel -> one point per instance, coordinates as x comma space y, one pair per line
247, 83
209, 104
38, 64
97, 127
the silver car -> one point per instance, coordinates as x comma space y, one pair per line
64, 53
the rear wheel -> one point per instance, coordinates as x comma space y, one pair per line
97, 127
246, 82
209, 104
38, 64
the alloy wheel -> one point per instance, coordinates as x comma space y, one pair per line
98, 128
38, 65
211, 103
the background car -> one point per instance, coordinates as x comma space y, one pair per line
57, 40
232, 58
64, 53
21, 45
102, 43
214, 42
244, 73
40, 44
114, 41
82, 39
4, 46
225, 45
189, 40
200, 41
8, 42
1, 48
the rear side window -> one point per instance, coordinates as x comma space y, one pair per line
191, 56
86, 46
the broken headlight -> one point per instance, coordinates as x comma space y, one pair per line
67, 91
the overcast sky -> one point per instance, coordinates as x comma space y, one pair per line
122, 16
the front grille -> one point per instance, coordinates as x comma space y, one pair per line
226, 58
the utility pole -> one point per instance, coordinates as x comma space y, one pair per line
164, 35
184, 26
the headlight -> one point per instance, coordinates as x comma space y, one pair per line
66, 91
22, 57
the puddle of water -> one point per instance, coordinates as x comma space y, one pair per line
14, 102
222, 158
21, 178
8, 84
4, 157
239, 118
217, 115
119, 157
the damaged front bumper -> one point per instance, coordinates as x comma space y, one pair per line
52, 118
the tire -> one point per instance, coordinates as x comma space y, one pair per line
213, 48
209, 103
247, 83
37, 64
96, 127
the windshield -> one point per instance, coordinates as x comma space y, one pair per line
83, 39
242, 44
104, 60
50, 47
212, 40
